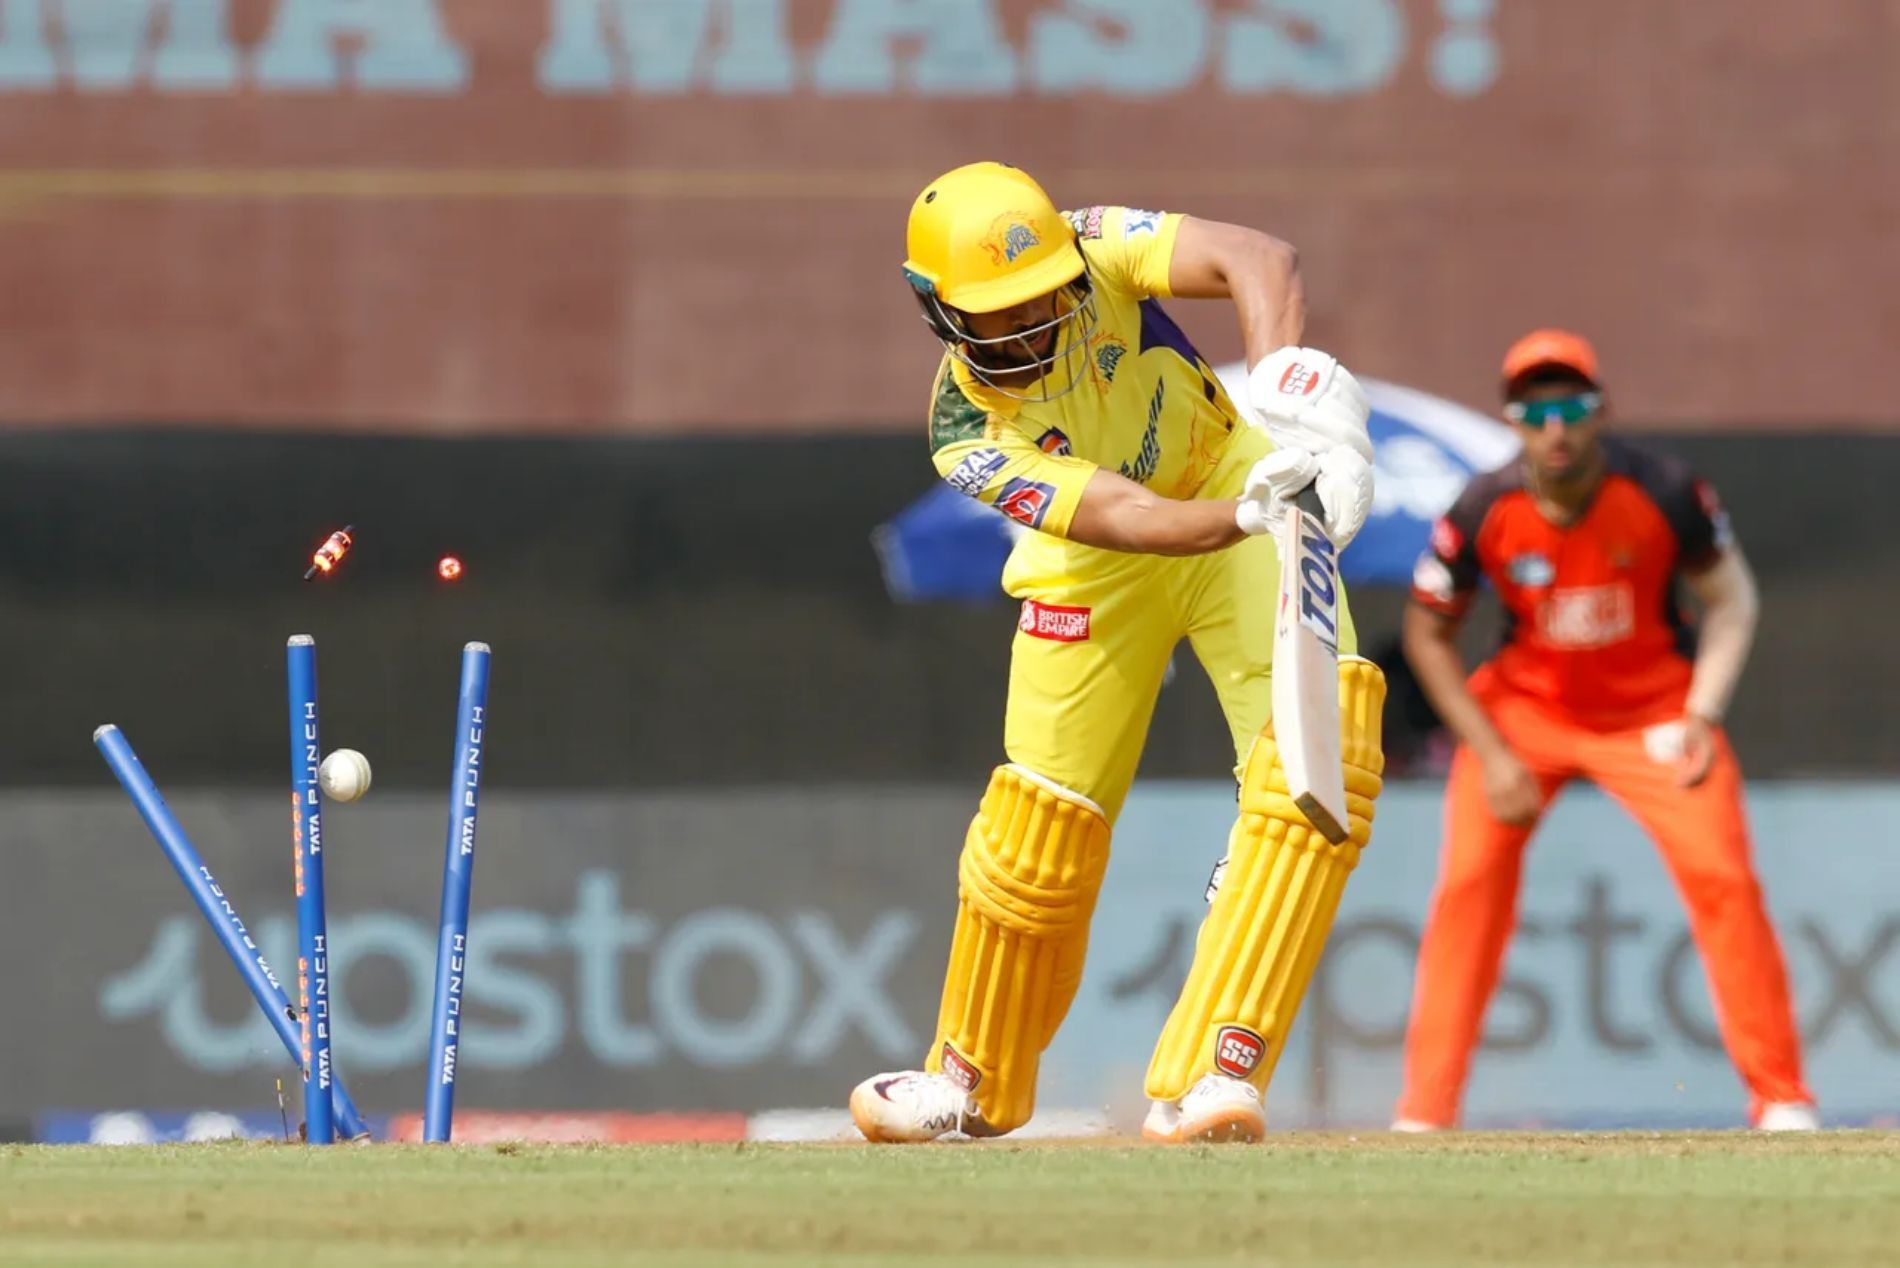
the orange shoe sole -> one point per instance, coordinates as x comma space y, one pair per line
867, 1125
1228, 1127
1236, 1126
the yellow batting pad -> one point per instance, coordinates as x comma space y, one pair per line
1268, 923
1031, 867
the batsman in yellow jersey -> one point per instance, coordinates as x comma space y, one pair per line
1070, 402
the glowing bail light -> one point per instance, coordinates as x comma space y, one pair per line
449, 568
331, 552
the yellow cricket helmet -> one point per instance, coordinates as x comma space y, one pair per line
985, 237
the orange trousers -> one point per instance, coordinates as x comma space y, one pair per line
1703, 835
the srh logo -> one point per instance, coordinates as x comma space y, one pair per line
1238, 1051
961, 1072
1299, 380
1532, 569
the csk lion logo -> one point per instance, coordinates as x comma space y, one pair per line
1009, 237
1108, 351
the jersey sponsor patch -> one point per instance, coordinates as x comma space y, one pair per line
1026, 501
1054, 621
1530, 569
1142, 469
1055, 442
1136, 224
1717, 513
1581, 617
1447, 541
1431, 580
1087, 222
971, 476
1238, 1051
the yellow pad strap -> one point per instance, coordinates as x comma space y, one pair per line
1268, 923
1032, 865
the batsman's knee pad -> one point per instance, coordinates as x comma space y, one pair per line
1031, 867
1269, 919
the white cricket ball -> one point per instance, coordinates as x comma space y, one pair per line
344, 775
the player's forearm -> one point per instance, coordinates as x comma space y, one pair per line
1270, 298
1440, 670
1164, 526
1727, 632
1118, 514
1257, 271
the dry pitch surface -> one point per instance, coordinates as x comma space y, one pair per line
1636, 1199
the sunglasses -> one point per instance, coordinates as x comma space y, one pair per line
1568, 410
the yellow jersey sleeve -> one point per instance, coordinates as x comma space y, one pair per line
1128, 248
994, 459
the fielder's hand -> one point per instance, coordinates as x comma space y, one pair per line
1512, 791
1698, 750
1312, 405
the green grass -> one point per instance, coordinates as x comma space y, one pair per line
1718, 1198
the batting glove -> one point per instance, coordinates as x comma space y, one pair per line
1271, 486
1309, 401
1344, 485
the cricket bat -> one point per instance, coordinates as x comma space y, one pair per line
1306, 668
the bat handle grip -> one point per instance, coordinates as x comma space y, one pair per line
1308, 501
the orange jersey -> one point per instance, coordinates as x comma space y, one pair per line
1592, 624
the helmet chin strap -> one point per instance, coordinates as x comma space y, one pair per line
1072, 328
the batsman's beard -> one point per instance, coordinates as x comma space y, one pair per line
1011, 366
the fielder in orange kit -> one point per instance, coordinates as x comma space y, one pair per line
1584, 538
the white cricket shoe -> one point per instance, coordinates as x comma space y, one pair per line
1215, 1110
1415, 1126
1788, 1116
910, 1106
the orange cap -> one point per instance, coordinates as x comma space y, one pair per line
1550, 347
